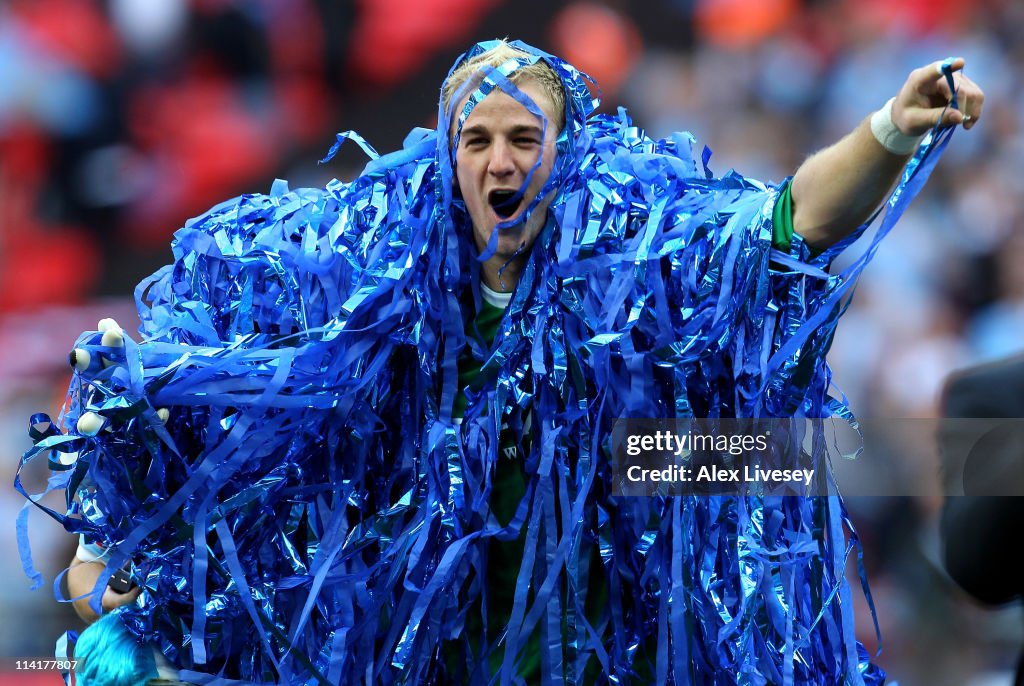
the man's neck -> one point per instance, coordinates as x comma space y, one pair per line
501, 275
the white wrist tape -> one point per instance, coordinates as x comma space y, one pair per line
90, 552
891, 138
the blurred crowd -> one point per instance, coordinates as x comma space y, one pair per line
120, 119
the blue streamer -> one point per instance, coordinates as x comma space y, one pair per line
311, 512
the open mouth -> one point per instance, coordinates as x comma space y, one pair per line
504, 202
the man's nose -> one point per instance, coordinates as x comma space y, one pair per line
501, 163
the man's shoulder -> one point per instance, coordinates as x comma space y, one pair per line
995, 388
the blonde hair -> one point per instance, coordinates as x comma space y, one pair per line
540, 72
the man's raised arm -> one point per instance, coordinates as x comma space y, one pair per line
836, 189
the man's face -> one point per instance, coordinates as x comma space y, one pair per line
499, 144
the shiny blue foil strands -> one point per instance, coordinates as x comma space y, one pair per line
310, 513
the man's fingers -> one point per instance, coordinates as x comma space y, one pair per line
938, 68
945, 116
916, 121
941, 89
951, 117
974, 114
972, 102
926, 98
931, 79
921, 119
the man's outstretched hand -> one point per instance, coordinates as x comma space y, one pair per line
835, 190
925, 98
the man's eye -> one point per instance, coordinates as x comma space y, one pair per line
525, 140
476, 142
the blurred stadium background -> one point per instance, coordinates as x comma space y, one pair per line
120, 119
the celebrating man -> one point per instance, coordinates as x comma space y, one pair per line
386, 452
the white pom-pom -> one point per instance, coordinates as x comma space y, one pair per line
113, 337
90, 423
68, 459
79, 359
108, 323
163, 414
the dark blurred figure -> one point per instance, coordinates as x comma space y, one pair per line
981, 529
